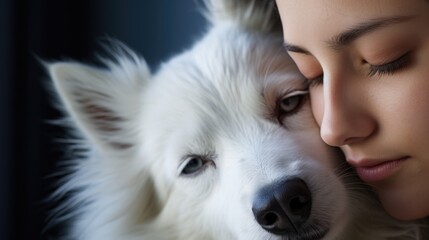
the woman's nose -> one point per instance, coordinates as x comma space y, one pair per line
346, 119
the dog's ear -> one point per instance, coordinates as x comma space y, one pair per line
103, 102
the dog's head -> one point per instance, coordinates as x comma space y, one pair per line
220, 143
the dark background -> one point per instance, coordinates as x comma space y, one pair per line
55, 30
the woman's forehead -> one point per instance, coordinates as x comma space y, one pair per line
304, 20
337, 11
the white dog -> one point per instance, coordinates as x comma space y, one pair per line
220, 143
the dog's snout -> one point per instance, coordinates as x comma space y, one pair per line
283, 207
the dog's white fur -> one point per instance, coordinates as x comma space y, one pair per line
218, 101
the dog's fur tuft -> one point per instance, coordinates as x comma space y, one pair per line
249, 14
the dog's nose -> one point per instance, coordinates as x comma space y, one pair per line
283, 207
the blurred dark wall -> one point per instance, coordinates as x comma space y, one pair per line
54, 30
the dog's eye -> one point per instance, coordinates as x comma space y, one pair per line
291, 102
194, 165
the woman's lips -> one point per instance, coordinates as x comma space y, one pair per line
377, 170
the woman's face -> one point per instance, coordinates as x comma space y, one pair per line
368, 66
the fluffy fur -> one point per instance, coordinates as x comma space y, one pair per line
187, 152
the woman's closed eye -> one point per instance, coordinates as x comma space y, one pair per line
391, 67
379, 70
314, 82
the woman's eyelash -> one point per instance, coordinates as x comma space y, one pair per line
390, 67
380, 70
313, 82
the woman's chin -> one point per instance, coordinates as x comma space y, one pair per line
404, 207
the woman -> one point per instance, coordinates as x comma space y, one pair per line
367, 62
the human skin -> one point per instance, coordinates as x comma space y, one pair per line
369, 89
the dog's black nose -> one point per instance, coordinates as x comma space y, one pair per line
283, 207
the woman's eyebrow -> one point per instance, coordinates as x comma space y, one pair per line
353, 33
360, 29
